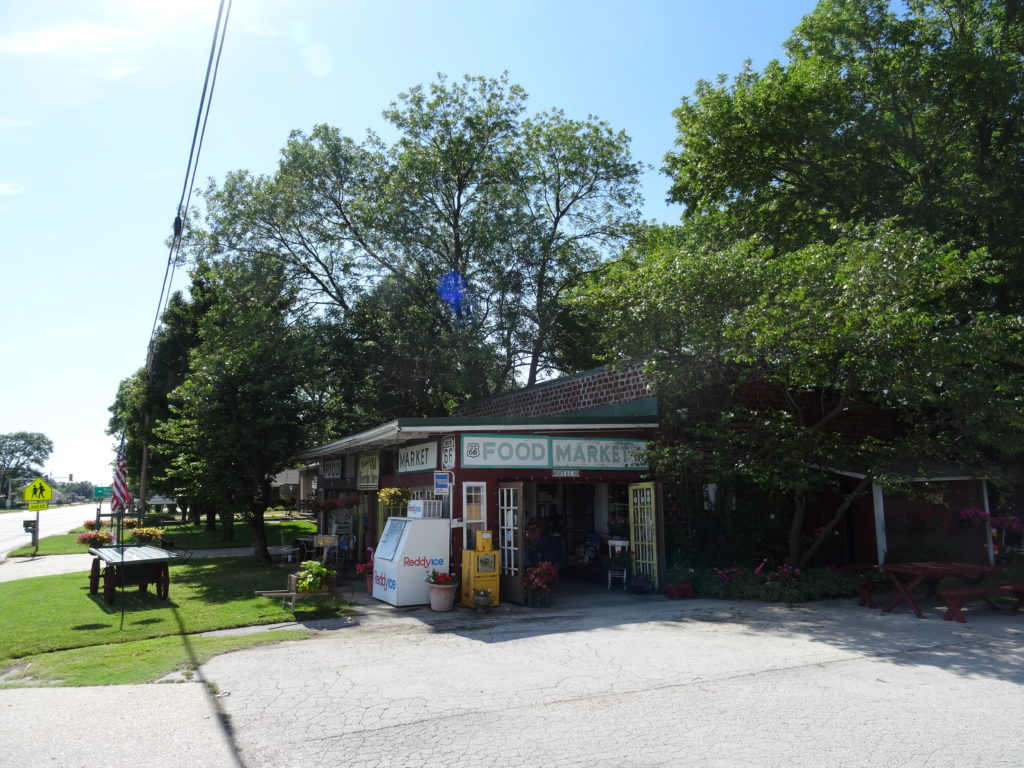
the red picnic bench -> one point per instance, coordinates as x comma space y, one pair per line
956, 598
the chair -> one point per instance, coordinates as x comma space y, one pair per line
617, 548
288, 552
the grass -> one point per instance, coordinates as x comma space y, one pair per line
49, 614
142, 661
184, 535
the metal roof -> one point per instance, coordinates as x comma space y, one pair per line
403, 430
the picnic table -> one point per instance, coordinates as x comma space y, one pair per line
906, 577
130, 566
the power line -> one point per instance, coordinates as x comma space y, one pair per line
198, 133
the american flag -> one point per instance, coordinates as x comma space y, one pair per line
121, 499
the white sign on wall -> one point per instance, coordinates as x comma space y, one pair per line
418, 458
505, 451
529, 452
369, 471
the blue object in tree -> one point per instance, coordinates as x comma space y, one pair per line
453, 289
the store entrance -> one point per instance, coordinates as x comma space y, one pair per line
569, 524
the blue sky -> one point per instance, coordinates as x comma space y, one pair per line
100, 98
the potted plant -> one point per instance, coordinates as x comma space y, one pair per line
443, 587
538, 582
312, 576
481, 600
679, 586
366, 569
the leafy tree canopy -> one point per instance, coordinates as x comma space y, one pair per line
520, 206
850, 246
22, 455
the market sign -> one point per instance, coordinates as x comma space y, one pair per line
556, 453
418, 458
369, 471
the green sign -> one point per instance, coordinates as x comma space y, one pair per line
103, 492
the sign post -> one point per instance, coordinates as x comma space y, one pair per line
37, 494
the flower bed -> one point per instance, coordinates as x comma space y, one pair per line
96, 538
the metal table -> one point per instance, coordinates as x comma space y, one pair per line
130, 566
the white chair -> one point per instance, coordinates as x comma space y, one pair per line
289, 552
617, 547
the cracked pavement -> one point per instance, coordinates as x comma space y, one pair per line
599, 679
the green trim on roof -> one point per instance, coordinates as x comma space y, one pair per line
583, 418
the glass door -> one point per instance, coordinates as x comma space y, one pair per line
643, 532
510, 541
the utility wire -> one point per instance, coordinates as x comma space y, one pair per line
198, 133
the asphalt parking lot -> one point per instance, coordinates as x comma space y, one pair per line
598, 679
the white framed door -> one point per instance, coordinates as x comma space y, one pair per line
643, 531
510, 540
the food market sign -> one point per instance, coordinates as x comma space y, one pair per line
529, 452
418, 458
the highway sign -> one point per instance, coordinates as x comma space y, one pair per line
103, 492
38, 490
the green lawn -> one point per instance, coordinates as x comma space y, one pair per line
50, 614
184, 535
142, 661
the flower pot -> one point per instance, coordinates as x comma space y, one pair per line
442, 596
679, 591
481, 603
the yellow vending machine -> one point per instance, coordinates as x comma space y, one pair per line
480, 569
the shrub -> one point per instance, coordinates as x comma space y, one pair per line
89, 525
311, 576
129, 523
147, 535
96, 538
783, 584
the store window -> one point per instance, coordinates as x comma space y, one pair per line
474, 512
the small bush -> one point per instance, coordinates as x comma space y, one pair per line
96, 538
130, 522
89, 525
783, 584
147, 535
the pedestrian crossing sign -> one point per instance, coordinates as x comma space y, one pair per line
38, 490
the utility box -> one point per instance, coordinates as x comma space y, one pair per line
480, 568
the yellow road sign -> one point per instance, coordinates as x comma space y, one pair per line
35, 506
38, 490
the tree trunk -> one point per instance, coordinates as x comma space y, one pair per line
227, 526
211, 519
837, 517
796, 528
258, 524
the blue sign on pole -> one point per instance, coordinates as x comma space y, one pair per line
442, 481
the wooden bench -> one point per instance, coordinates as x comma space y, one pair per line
868, 584
956, 598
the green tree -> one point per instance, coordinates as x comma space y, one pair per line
874, 116
764, 355
851, 241
141, 402
520, 207
22, 456
238, 418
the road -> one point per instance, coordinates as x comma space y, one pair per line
646, 682
51, 522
